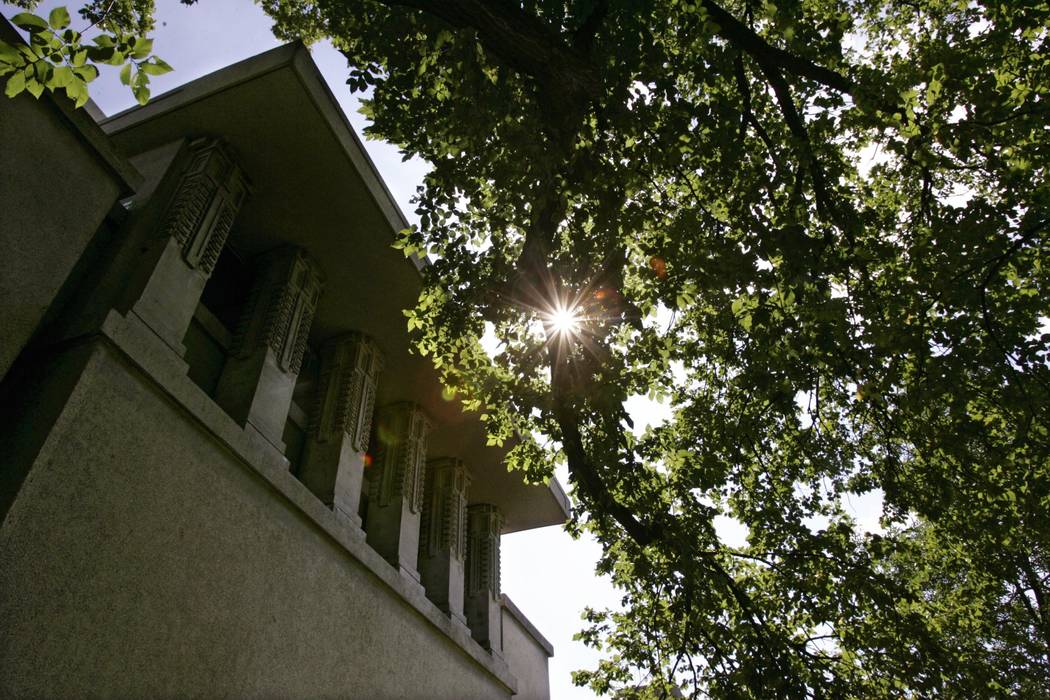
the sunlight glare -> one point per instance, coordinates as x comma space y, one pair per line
564, 320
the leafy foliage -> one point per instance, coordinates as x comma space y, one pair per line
58, 58
817, 228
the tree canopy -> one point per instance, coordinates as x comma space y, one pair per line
817, 229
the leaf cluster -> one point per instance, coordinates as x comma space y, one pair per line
58, 57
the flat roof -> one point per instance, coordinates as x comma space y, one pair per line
316, 187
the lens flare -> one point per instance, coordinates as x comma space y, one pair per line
563, 321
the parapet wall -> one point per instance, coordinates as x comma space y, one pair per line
58, 179
187, 386
145, 556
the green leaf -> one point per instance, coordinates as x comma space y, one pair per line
63, 76
34, 88
29, 22
141, 93
9, 54
15, 84
156, 67
125, 74
43, 72
101, 54
142, 48
78, 92
59, 18
86, 73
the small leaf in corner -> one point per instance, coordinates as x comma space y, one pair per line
59, 18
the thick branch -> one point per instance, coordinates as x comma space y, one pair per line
747, 116
798, 129
1036, 584
584, 36
532, 46
737, 33
587, 477
643, 533
522, 41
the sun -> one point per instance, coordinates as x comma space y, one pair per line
563, 320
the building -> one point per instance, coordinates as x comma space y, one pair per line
201, 312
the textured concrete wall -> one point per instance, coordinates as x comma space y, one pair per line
142, 559
526, 658
54, 193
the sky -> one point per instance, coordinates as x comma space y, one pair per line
549, 575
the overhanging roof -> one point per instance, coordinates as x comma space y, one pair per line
315, 187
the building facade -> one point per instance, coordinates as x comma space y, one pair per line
223, 471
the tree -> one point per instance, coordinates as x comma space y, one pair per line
818, 230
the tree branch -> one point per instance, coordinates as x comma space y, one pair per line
798, 129
737, 33
583, 38
522, 41
747, 116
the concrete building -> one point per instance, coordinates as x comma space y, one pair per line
223, 473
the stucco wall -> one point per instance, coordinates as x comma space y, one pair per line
141, 558
55, 190
526, 657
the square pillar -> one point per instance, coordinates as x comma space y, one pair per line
256, 384
192, 233
395, 496
482, 601
341, 422
443, 535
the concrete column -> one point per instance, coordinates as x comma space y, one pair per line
443, 534
192, 232
341, 422
482, 601
396, 486
256, 384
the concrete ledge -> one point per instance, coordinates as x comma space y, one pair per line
526, 624
148, 353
